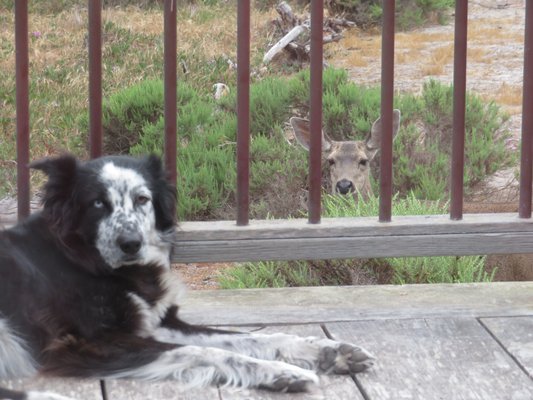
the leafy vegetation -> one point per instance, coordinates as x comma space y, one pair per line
345, 272
278, 171
133, 46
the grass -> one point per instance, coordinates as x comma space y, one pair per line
133, 51
508, 95
438, 60
407, 270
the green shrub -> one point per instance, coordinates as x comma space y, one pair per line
346, 272
57, 6
207, 130
448, 269
422, 148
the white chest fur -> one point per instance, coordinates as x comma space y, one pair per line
151, 315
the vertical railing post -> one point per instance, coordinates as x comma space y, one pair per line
459, 109
315, 110
170, 89
23, 108
387, 103
95, 78
526, 163
243, 111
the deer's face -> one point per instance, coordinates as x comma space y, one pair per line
348, 162
349, 168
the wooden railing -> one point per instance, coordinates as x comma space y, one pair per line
312, 238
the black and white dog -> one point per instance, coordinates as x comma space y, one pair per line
86, 291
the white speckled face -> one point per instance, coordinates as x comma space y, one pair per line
128, 234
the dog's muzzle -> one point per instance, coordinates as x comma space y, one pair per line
130, 243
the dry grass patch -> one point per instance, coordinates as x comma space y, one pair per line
421, 39
508, 95
132, 51
482, 32
356, 48
478, 54
407, 56
438, 60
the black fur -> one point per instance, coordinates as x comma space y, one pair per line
70, 307
86, 291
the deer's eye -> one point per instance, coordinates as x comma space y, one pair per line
331, 161
363, 163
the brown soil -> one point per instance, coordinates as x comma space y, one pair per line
200, 276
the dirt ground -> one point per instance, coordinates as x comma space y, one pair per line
494, 71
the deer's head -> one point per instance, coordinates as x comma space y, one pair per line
348, 161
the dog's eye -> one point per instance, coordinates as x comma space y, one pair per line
142, 200
98, 203
331, 161
363, 163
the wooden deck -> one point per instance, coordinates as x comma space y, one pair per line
468, 341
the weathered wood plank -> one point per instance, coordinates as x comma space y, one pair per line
434, 235
223, 241
353, 247
163, 390
330, 388
434, 359
74, 388
516, 334
306, 305
352, 227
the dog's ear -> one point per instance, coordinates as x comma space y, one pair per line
58, 191
164, 194
59, 168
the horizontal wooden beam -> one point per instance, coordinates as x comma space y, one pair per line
435, 235
353, 303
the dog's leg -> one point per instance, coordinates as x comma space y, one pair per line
202, 366
139, 358
320, 354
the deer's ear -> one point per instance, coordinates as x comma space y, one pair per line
302, 134
373, 142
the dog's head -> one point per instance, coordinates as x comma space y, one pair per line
114, 211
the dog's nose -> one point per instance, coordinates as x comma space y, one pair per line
344, 186
130, 244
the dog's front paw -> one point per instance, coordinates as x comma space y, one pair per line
344, 358
290, 379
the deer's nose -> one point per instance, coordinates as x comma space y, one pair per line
344, 186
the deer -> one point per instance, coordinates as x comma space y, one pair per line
348, 161
348, 164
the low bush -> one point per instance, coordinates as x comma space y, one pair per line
364, 271
207, 131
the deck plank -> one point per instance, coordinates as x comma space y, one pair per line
516, 335
330, 387
322, 304
78, 389
432, 341
137, 390
453, 358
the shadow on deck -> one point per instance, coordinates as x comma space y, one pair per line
464, 341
